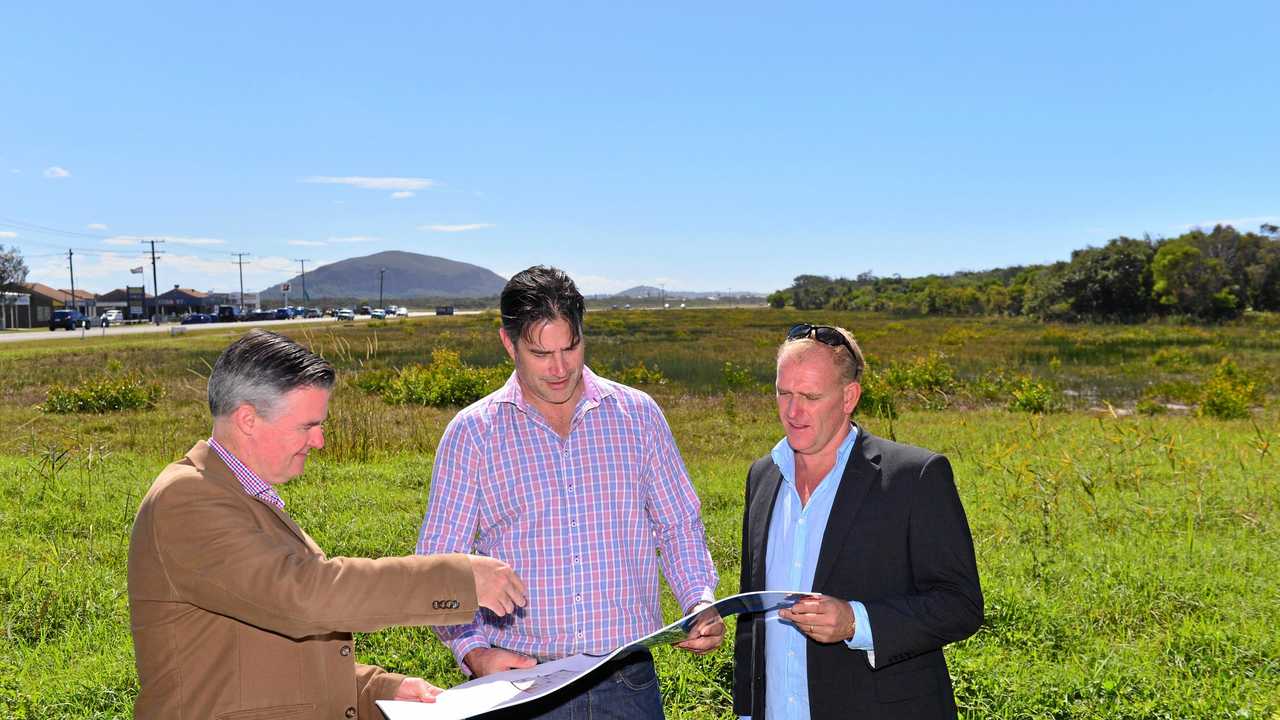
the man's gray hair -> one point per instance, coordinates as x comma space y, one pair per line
850, 363
259, 369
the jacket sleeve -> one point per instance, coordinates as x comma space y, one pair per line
743, 639
219, 555
947, 603
373, 683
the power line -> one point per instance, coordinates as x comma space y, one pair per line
154, 282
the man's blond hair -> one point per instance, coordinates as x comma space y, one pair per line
850, 366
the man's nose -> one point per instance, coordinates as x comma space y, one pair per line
317, 437
557, 364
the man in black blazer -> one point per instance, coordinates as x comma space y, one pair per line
875, 530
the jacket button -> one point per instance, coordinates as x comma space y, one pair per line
345, 651
351, 712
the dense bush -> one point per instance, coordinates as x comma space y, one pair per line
737, 377
102, 395
446, 382
639, 374
1026, 394
1229, 393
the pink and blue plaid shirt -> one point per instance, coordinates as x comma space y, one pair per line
581, 519
249, 480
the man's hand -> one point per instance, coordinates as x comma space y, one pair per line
486, 661
497, 585
417, 690
821, 617
707, 632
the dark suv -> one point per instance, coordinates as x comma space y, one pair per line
68, 320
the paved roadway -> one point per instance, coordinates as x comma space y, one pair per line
95, 331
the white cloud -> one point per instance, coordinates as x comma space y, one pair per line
456, 228
401, 195
354, 239
55, 172
96, 226
8, 234
308, 243
171, 239
374, 183
599, 284
1244, 224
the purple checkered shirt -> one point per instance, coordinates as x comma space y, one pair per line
249, 480
581, 519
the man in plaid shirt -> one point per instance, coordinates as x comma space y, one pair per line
576, 482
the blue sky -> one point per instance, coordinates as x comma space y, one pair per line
704, 146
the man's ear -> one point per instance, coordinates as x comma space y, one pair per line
245, 419
507, 343
852, 394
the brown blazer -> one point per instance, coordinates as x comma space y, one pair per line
237, 614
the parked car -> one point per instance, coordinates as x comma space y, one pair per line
402, 311
197, 319
311, 313
284, 313
378, 314
259, 315
111, 317
67, 320
228, 313
364, 310
345, 314
444, 309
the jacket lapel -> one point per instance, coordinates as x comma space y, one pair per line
861, 473
761, 513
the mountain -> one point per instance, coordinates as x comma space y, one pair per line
408, 275
649, 291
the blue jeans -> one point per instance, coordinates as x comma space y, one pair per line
625, 689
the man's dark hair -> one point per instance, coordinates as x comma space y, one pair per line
540, 294
259, 369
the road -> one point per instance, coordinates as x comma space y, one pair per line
118, 330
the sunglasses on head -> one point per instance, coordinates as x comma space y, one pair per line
824, 334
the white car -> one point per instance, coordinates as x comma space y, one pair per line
377, 314
111, 317
402, 311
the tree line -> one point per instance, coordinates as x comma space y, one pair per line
1210, 276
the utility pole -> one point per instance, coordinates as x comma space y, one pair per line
240, 262
155, 301
303, 263
72, 265
381, 272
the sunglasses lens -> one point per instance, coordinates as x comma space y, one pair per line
799, 331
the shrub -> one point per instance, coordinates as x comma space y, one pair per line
877, 398
737, 377
640, 374
445, 382
102, 395
1030, 395
1229, 393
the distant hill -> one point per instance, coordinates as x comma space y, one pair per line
408, 275
649, 291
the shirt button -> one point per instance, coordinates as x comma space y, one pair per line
578, 598
801, 521
351, 712
345, 650
577, 559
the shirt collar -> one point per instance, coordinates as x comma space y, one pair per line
785, 458
253, 485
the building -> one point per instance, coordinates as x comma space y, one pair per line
32, 304
182, 301
132, 302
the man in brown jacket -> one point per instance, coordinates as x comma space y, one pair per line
236, 613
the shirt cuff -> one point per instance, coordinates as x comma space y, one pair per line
861, 639
464, 645
696, 596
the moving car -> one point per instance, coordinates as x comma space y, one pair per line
402, 311
345, 314
284, 313
67, 320
197, 319
378, 314
257, 315
228, 313
444, 309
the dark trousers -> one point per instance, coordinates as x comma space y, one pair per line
625, 689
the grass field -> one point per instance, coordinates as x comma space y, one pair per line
1129, 560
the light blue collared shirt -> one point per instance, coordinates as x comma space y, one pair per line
791, 558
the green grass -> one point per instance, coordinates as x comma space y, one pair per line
1130, 564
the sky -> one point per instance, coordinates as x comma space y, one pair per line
697, 146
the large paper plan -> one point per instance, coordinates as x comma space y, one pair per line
513, 687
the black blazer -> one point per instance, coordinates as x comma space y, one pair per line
898, 541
